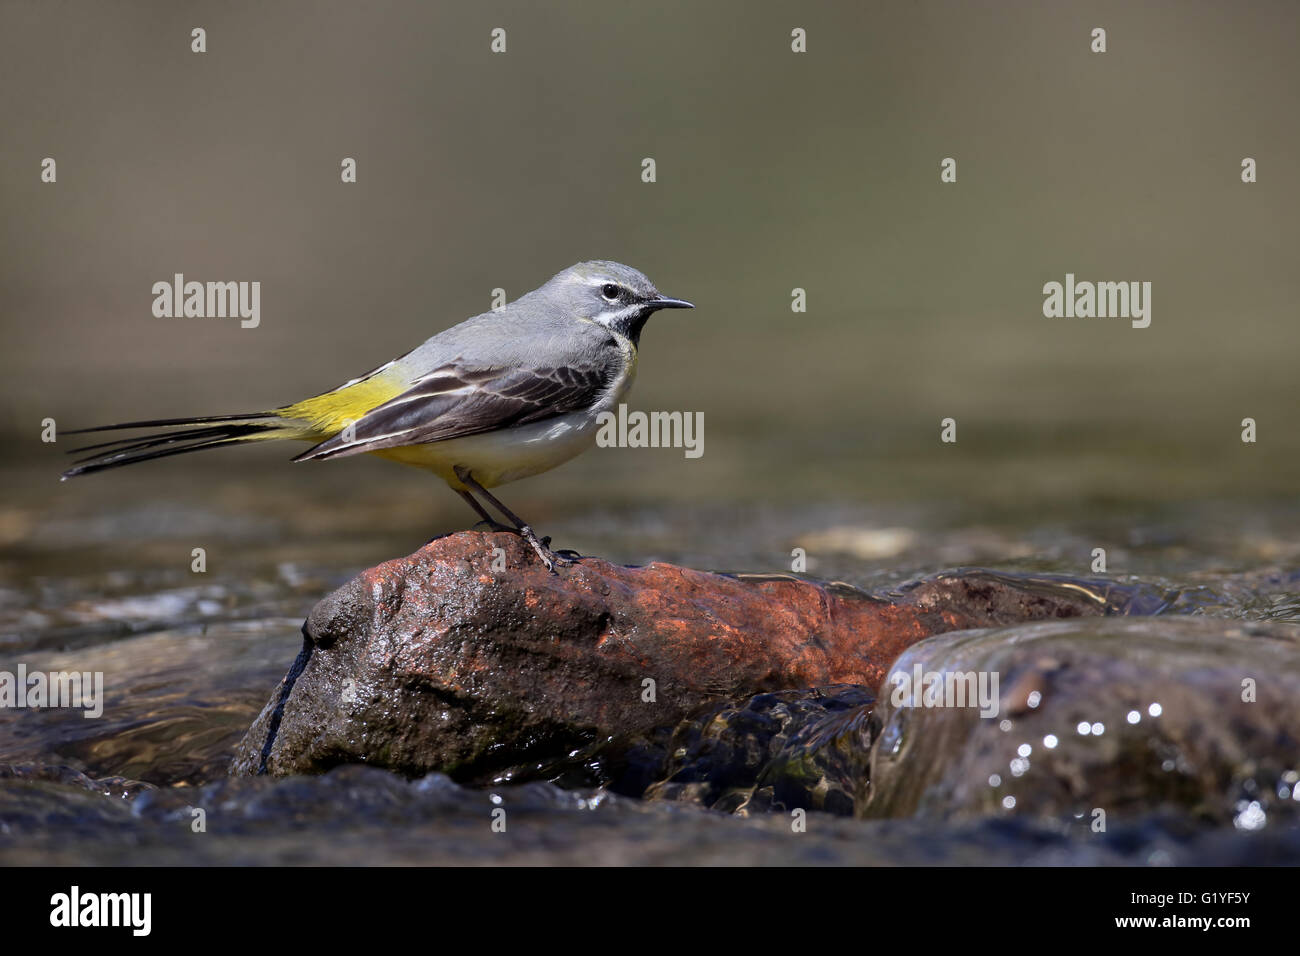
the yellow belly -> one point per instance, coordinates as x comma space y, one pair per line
495, 458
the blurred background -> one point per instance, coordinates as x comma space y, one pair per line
775, 170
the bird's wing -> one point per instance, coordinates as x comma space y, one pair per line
456, 400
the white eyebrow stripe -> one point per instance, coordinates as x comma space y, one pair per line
623, 286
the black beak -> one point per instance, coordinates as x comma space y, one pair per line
666, 303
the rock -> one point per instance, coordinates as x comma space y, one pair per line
1168, 720
792, 749
440, 661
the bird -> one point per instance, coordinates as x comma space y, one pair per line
504, 395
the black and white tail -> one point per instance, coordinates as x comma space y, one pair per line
182, 435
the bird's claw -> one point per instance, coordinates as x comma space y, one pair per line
542, 547
565, 554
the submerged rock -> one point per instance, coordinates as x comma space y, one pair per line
789, 750
468, 657
1101, 721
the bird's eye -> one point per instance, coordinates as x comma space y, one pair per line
610, 291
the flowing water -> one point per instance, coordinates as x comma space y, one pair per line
99, 577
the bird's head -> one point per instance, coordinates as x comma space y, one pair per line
613, 295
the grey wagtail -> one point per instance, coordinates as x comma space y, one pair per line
504, 395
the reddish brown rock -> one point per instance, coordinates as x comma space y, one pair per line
436, 661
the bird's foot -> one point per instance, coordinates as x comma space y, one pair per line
542, 547
568, 554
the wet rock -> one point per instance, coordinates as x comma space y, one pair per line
1125, 717
468, 657
70, 777
776, 751
793, 749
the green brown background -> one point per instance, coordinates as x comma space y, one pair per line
775, 170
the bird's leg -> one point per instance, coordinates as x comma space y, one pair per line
492, 523
548, 556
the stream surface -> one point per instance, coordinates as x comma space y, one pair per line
97, 576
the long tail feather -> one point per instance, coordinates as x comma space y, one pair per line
190, 434
169, 422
